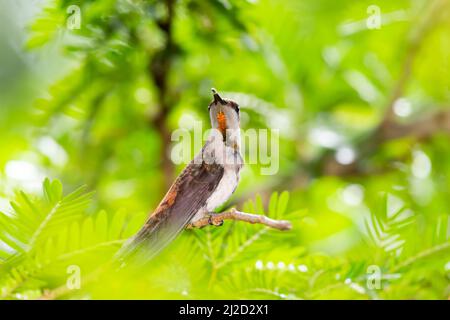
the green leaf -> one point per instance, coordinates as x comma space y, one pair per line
283, 203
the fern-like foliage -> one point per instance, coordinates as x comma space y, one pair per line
236, 247
385, 223
42, 236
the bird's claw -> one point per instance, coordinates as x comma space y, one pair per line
213, 223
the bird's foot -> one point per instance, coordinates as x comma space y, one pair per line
214, 222
190, 225
207, 219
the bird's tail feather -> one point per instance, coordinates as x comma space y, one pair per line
152, 238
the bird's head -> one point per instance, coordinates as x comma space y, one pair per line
224, 114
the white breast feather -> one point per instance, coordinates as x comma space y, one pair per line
229, 181
224, 190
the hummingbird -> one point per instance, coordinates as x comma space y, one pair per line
206, 183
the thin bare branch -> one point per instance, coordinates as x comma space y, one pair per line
218, 218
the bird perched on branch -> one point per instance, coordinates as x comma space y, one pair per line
207, 182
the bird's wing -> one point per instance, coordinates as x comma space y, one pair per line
186, 197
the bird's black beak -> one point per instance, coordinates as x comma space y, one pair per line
217, 98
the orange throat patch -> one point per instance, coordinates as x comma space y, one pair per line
222, 121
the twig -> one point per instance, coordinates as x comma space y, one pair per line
218, 218
421, 255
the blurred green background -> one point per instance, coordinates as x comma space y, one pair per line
363, 111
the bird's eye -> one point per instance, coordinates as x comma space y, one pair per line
236, 108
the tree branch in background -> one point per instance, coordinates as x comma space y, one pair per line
420, 129
389, 128
217, 219
159, 69
416, 39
